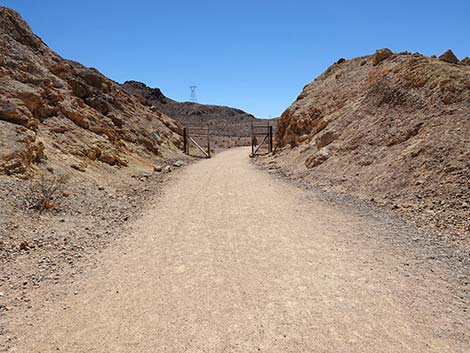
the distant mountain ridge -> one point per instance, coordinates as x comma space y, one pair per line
222, 120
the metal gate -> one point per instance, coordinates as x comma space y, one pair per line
197, 137
263, 133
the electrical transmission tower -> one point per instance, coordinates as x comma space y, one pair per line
193, 96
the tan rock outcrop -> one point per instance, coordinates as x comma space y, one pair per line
373, 131
71, 107
19, 148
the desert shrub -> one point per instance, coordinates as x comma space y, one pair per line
46, 191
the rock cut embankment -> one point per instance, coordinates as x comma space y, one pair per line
392, 127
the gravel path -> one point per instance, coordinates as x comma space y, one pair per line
232, 259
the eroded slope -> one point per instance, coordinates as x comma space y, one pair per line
59, 110
394, 128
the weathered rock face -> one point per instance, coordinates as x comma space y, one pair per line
70, 109
18, 149
395, 129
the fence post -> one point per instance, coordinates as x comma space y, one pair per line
208, 143
252, 139
270, 139
185, 146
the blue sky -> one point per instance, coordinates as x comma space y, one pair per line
251, 54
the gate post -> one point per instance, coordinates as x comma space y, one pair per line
252, 139
270, 139
208, 143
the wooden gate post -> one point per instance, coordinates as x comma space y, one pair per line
252, 139
208, 143
270, 139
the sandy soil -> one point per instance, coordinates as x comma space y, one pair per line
231, 259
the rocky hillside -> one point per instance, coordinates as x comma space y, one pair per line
63, 114
223, 121
77, 161
390, 127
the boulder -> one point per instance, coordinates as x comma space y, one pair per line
80, 89
98, 104
449, 57
81, 167
108, 158
76, 116
325, 139
465, 61
381, 55
317, 158
117, 120
13, 110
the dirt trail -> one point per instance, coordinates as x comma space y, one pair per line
232, 259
